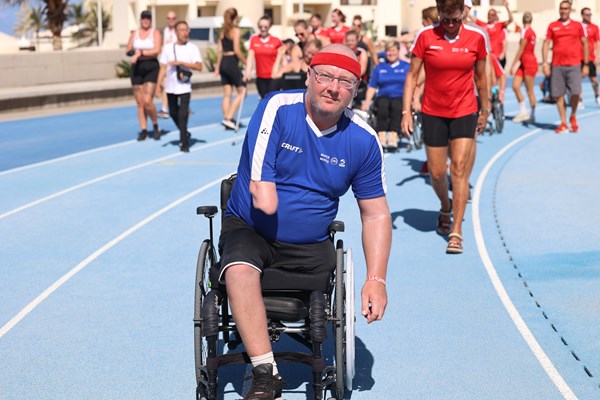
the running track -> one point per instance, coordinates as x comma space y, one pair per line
99, 238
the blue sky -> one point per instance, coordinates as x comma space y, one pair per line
8, 16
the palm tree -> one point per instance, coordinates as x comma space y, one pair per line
87, 34
55, 13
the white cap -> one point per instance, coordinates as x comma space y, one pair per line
469, 3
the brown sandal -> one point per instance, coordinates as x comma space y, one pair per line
443, 227
454, 247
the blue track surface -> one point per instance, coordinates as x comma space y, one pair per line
100, 238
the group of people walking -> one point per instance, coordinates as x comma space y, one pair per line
161, 67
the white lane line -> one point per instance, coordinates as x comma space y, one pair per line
111, 175
91, 151
514, 314
56, 285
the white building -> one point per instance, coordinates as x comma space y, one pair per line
390, 16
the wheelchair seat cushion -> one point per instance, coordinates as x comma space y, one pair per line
290, 309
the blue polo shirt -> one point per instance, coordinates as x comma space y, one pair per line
311, 169
389, 78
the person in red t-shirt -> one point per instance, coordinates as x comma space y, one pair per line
263, 51
593, 35
316, 27
567, 37
453, 55
337, 30
524, 68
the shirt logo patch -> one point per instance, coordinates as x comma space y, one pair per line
432, 47
264, 131
293, 148
333, 160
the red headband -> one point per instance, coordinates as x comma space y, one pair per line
337, 60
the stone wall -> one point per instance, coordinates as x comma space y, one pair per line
32, 69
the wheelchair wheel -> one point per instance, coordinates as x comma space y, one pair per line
340, 323
206, 259
350, 320
417, 134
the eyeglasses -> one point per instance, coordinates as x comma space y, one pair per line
325, 79
171, 19
587, 15
263, 27
300, 34
448, 21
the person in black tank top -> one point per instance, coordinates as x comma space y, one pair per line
229, 56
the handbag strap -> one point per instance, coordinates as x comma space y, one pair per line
174, 52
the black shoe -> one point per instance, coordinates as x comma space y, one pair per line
185, 149
265, 385
156, 134
142, 136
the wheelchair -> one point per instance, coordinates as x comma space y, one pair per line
306, 311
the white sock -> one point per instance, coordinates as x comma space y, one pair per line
523, 107
266, 358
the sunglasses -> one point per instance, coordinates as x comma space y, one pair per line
263, 27
299, 34
448, 21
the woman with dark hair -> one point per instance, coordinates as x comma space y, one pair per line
363, 41
452, 54
337, 30
229, 55
263, 53
144, 46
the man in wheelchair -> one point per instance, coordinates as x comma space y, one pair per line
303, 150
387, 82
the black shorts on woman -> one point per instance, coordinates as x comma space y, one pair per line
438, 131
241, 244
145, 71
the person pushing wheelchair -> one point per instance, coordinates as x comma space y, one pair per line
303, 150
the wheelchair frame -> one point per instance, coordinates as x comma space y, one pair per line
213, 321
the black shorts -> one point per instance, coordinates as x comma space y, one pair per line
591, 68
438, 131
144, 71
241, 244
230, 72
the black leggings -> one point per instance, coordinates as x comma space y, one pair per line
389, 113
179, 109
265, 86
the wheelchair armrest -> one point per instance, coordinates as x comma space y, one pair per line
207, 211
336, 226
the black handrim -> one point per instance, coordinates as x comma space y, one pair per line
340, 328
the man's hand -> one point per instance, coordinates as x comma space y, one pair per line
374, 300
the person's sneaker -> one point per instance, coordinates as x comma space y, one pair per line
580, 105
574, 126
562, 128
142, 136
163, 114
598, 100
156, 134
229, 124
184, 149
522, 116
265, 385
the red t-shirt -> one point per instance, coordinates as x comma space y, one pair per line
449, 89
337, 36
566, 42
593, 35
321, 32
496, 34
528, 56
265, 54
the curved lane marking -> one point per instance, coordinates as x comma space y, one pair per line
56, 285
514, 314
108, 176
